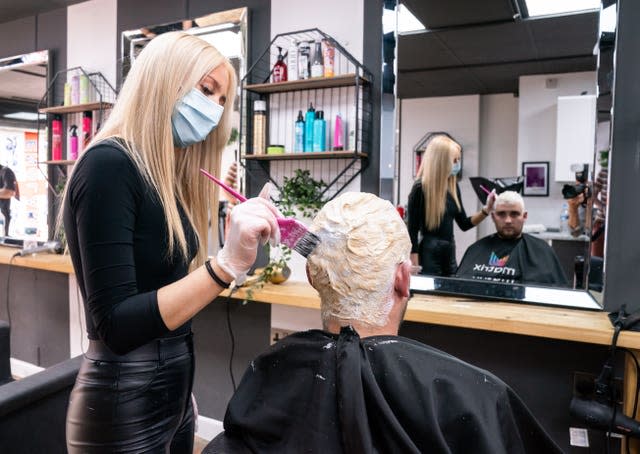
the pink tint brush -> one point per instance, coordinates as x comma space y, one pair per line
485, 189
293, 233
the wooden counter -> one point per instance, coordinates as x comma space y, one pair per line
47, 262
505, 317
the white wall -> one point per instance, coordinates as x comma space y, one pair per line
343, 20
92, 37
537, 133
498, 142
460, 117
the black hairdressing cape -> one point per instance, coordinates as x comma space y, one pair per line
527, 260
314, 392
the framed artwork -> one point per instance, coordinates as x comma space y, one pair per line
536, 179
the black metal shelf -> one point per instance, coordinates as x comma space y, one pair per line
346, 93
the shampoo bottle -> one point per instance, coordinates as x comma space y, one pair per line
319, 132
87, 120
280, 68
338, 144
56, 138
292, 61
299, 133
317, 65
329, 54
73, 142
308, 128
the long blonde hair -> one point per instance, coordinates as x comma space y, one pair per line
168, 67
436, 178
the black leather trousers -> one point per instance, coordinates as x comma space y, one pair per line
438, 256
139, 402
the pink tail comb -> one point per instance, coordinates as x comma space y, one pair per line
293, 233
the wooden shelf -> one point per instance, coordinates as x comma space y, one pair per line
77, 108
303, 156
345, 80
62, 162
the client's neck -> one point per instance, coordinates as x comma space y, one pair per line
363, 329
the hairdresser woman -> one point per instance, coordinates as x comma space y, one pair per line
434, 203
136, 215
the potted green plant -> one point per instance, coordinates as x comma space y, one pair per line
300, 196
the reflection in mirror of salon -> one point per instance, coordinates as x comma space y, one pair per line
23, 81
517, 89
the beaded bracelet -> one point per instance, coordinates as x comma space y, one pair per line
214, 276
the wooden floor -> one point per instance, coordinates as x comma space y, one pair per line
199, 444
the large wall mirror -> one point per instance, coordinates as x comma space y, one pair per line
23, 141
526, 91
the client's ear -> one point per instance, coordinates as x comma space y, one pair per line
402, 279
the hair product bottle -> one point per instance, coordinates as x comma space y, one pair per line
319, 132
67, 94
56, 138
338, 144
304, 60
84, 89
299, 133
292, 61
329, 54
317, 66
75, 90
259, 126
87, 120
280, 68
73, 142
308, 128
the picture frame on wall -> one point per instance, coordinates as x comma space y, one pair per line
536, 178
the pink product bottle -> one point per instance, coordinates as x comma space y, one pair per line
86, 128
56, 138
73, 143
338, 144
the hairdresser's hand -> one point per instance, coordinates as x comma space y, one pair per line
491, 200
251, 224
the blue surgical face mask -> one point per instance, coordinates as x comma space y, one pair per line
456, 168
193, 118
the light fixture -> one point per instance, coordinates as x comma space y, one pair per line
30, 116
608, 19
407, 22
551, 7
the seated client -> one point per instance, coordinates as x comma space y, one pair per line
356, 386
509, 255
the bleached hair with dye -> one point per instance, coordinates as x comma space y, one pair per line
509, 197
362, 241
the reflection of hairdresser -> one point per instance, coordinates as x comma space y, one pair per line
434, 203
8, 189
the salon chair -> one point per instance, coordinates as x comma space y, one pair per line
33, 409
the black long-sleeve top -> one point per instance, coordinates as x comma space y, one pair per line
117, 236
416, 214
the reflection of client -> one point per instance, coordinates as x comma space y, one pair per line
356, 386
510, 255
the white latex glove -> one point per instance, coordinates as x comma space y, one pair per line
491, 200
251, 224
